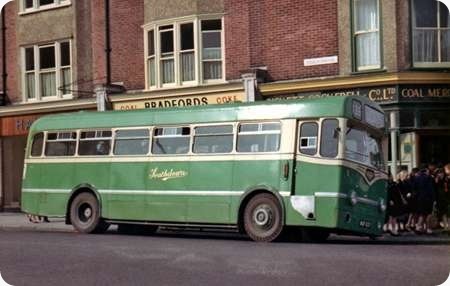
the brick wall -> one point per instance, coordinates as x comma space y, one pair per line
12, 50
281, 35
98, 42
403, 35
127, 43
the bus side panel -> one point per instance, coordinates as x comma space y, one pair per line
210, 177
312, 178
121, 200
30, 196
255, 174
50, 192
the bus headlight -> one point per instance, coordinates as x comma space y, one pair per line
353, 198
382, 206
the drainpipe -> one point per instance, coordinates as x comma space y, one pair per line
102, 91
4, 72
107, 43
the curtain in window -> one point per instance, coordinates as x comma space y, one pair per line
212, 70
445, 45
168, 71
30, 84
188, 66
48, 84
367, 35
151, 72
425, 45
65, 81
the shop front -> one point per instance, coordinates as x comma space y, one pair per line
14, 131
420, 131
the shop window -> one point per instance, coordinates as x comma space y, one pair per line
308, 138
61, 144
36, 5
329, 138
431, 34
185, 53
36, 147
407, 118
47, 72
434, 119
132, 142
95, 143
259, 137
213, 139
171, 140
366, 34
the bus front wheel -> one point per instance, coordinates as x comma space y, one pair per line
263, 218
85, 214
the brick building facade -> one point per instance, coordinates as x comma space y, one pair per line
57, 57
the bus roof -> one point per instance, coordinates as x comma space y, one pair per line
260, 110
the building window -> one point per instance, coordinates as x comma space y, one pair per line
47, 71
35, 5
366, 34
431, 34
184, 53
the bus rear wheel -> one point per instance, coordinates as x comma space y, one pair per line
263, 218
85, 214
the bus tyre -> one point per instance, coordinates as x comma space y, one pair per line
263, 218
85, 214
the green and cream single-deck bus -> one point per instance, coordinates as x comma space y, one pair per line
314, 165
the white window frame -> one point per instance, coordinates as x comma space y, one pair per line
37, 72
37, 7
198, 69
439, 63
357, 33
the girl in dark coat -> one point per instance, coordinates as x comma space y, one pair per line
443, 195
424, 186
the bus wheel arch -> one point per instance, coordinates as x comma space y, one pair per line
259, 192
87, 197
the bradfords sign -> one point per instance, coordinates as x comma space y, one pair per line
181, 101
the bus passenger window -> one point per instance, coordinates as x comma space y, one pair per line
171, 140
132, 142
36, 147
61, 144
308, 138
95, 143
259, 137
329, 140
213, 139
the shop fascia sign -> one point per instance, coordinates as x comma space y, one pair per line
382, 94
180, 101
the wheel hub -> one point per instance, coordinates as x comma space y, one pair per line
262, 216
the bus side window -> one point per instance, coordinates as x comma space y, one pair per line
308, 138
259, 137
61, 144
213, 139
171, 140
95, 143
329, 140
36, 146
132, 142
